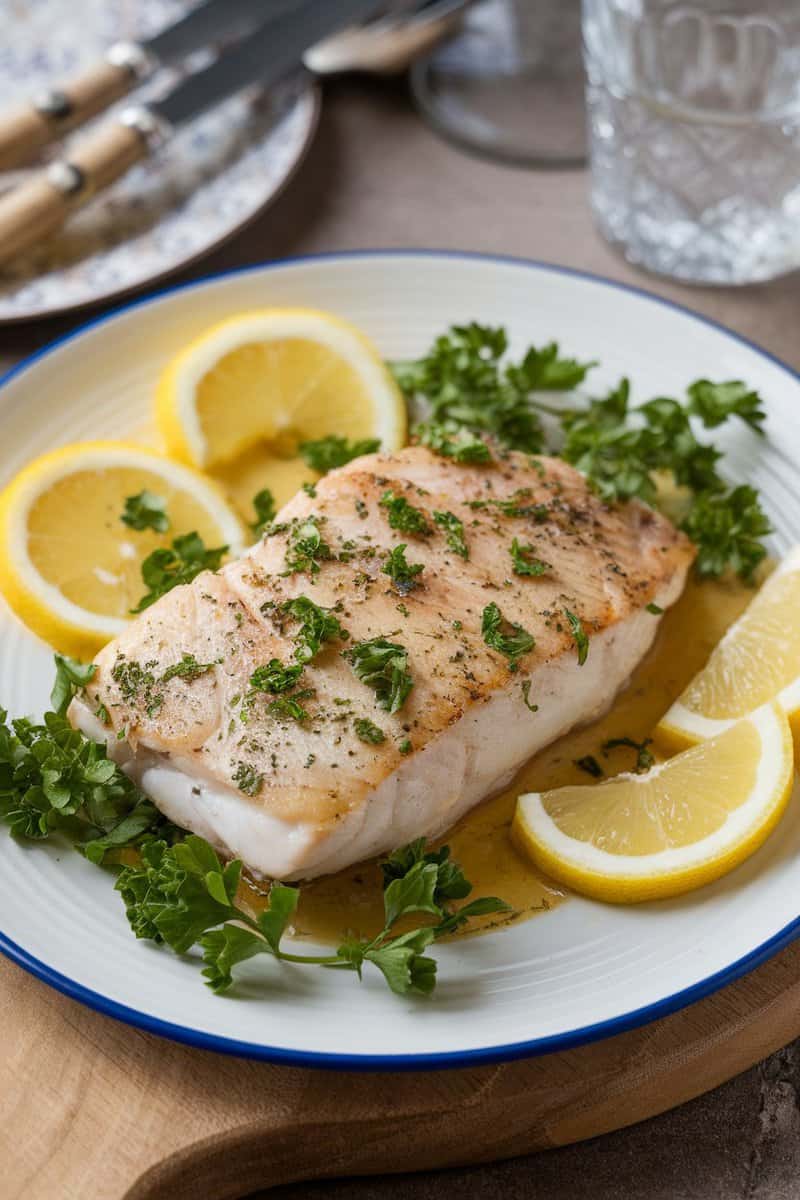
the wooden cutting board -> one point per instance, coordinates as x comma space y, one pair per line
91, 1109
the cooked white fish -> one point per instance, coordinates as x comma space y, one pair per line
306, 780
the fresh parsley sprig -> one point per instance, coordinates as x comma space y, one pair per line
404, 516
182, 895
504, 636
402, 573
169, 566
145, 510
317, 626
325, 454
383, 666
265, 508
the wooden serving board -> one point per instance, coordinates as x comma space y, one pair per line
90, 1108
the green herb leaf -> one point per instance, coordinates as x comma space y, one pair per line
727, 529
590, 765
644, 759
654, 609
402, 573
327, 453
318, 626
265, 509
306, 549
368, 732
524, 560
578, 635
453, 441
714, 403
526, 696
273, 922
454, 533
223, 949
404, 516
248, 779
188, 668
274, 677
166, 568
146, 510
383, 666
506, 637
71, 677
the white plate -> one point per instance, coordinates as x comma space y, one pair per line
202, 187
585, 970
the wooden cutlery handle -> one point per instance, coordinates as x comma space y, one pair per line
25, 130
36, 209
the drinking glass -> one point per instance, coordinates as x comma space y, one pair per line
509, 85
694, 120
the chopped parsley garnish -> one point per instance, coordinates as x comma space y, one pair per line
383, 666
188, 668
290, 706
265, 509
504, 636
524, 559
405, 747
247, 779
368, 732
454, 533
590, 765
167, 567
402, 573
404, 516
578, 636
644, 759
274, 677
137, 684
654, 609
318, 625
71, 677
310, 489
453, 441
146, 510
325, 454
306, 549
526, 696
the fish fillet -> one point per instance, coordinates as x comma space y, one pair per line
300, 798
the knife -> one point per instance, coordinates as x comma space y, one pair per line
37, 208
53, 112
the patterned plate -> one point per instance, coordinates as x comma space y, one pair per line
211, 179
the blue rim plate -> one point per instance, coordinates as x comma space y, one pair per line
585, 971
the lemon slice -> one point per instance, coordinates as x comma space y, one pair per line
69, 567
757, 660
277, 375
686, 822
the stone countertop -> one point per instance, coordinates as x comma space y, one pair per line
377, 177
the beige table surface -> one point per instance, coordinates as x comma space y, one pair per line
377, 177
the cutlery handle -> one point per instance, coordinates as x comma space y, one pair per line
37, 208
25, 130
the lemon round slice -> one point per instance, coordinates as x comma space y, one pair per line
277, 375
69, 566
757, 660
686, 822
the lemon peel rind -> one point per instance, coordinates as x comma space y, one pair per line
633, 878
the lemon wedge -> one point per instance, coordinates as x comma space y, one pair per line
681, 825
279, 376
757, 660
69, 567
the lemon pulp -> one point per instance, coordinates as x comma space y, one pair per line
77, 542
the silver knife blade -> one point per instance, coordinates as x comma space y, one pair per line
209, 22
264, 56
